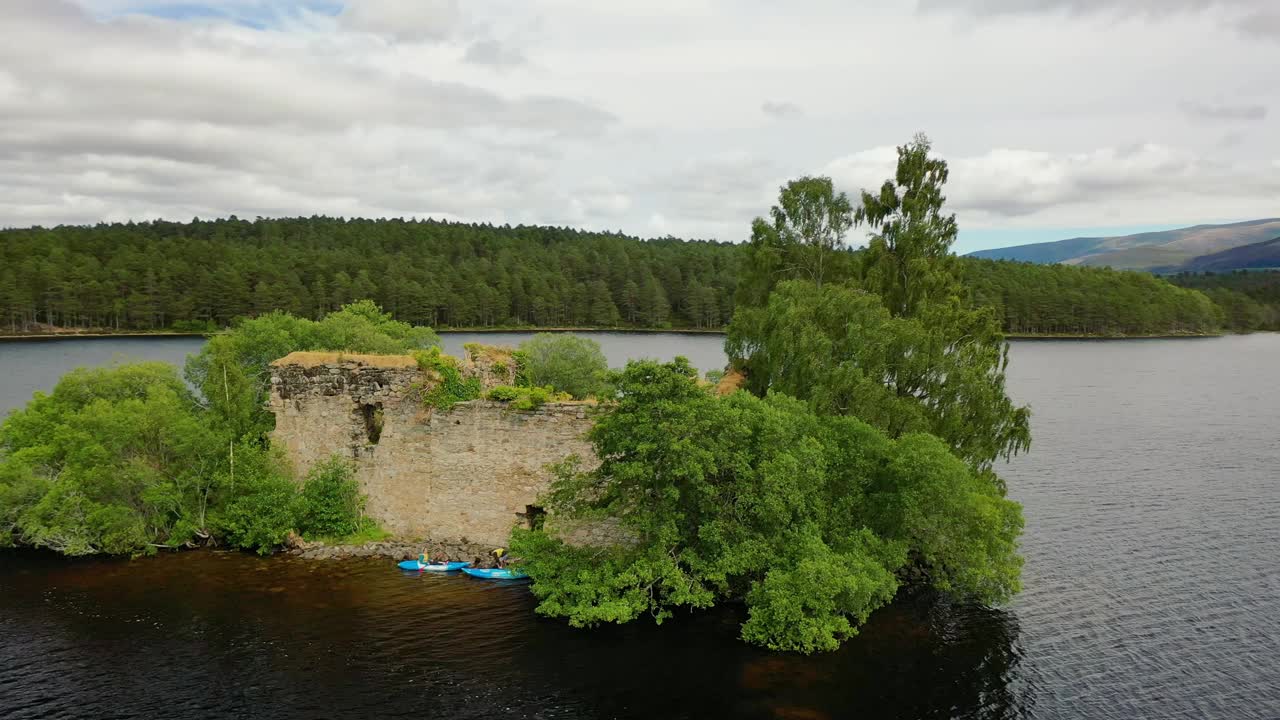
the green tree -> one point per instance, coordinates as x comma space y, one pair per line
907, 352
331, 503
800, 240
808, 518
232, 370
114, 460
838, 348
908, 262
261, 506
569, 363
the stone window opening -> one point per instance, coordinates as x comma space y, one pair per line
533, 517
372, 414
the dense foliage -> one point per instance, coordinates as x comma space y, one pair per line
113, 460
1250, 299
898, 343
838, 348
203, 274
810, 222
525, 397
127, 459
330, 504
447, 385
810, 518
569, 363
232, 369
206, 273
1069, 300
863, 454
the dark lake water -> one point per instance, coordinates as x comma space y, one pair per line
1152, 588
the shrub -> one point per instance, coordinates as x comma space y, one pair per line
262, 515
450, 387
331, 504
521, 375
532, 398
503, 393
568, 363
195, 326
526, 398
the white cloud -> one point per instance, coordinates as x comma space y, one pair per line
653, 116
1109, 186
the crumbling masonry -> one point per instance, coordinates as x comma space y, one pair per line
458, 479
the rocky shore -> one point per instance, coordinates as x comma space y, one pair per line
391, 549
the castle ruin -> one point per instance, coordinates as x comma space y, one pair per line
458, 479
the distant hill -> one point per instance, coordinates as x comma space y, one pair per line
1167, 250
1258, 256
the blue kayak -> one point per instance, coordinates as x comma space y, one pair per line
433, 567
494, 573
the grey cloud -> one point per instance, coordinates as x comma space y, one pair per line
780, 109
175, 119
380, 111
1014, 184
710, 190
1206, 111
403, 20
1132, 7
492, 52
1252, 18
1261, 24
143, 69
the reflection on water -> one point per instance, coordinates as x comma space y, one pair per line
216, 634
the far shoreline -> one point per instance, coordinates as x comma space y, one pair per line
72, 335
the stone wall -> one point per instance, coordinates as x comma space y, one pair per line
459, 479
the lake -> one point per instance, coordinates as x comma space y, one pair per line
1152, 587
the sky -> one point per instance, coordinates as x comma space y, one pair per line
1058, 118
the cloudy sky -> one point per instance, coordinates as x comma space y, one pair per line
655, 117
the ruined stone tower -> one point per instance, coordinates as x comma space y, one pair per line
458, 478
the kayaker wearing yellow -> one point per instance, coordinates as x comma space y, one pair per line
422, 557
498, 560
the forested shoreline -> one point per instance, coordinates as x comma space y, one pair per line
198, 276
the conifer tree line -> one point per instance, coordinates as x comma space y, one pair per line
1250, 299
1069, 300
202, 274
157, 275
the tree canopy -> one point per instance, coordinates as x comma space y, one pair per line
1249, 299
232, 373
202, 275
900, 344
862, 454
810, 518
568, 363
803, 237
908, 262
127, 459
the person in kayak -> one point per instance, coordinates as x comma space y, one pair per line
499, 559
440, 559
